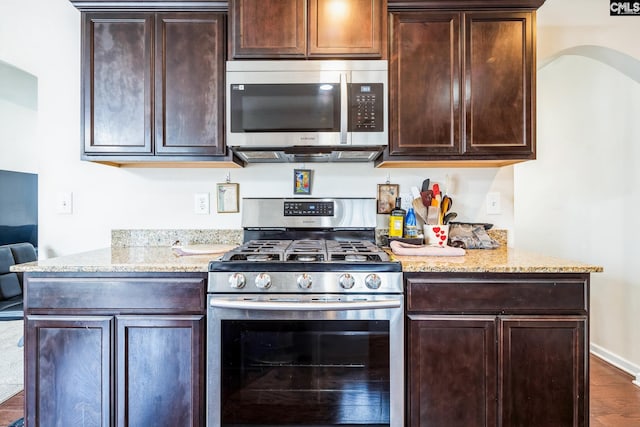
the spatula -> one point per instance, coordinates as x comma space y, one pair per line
420, 209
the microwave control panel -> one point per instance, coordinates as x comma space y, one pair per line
366, 107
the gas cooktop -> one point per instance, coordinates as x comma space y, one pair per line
307, 250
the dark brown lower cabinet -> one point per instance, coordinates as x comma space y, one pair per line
94, 364
158, 370
543, 377
508, 363
452, 371
68, 370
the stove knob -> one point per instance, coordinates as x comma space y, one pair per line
373, 281
304, 281
237, 280
263, 281
346, 281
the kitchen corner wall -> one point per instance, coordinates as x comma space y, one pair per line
42, 37
579, 200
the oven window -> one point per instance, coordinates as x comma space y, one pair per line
305, 373
286, 108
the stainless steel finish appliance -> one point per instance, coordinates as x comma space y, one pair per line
307, 111
305, 323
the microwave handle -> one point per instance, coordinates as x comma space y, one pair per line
344, 108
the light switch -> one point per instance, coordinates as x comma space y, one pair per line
201, 203
493, 204
64, 203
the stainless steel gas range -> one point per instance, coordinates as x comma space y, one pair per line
305, 320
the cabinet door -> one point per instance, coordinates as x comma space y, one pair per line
268, 28
451, 371
117, 83
189, 84
160, 371
424, 107
352, 28
67, 371
544, 372
499, 80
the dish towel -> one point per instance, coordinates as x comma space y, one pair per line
407, 249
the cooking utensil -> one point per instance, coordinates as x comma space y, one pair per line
420, 209
445, 205
448, 217
433, 215
426, 197
415, 192
201, 249
425, 184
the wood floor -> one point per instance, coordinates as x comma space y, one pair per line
12, 409
615, 401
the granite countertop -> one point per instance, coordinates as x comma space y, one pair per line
501, 260
122, 259
162, 259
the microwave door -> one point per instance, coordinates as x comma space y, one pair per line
279, 109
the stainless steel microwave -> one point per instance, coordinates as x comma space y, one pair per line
308, 111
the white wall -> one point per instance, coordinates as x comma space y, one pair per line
18, 119
580, 198
43, 38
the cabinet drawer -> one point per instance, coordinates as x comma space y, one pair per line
497, 296
121, 294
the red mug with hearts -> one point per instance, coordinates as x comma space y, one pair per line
436, 235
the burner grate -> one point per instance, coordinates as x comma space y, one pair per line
307, 250
258, 251
355, 251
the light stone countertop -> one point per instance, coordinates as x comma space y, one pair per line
122, 259
501, 260
162, 259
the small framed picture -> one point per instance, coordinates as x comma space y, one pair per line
302, 181
387, 194
227, 197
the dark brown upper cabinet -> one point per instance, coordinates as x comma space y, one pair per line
462, 88
153, 87
307, 29
268, 28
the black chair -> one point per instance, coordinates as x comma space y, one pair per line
11, 285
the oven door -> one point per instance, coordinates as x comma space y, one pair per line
305, 360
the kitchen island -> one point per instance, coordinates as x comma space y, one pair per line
117, 336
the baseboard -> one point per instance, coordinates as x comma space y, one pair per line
617, 361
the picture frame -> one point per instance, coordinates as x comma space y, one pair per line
387, 194
302, 181
227, 197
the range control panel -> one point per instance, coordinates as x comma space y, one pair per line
301, 208
366, 107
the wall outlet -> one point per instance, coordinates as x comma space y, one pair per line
64, 203
493, 204
201, 203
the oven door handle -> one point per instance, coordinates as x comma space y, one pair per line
306, 306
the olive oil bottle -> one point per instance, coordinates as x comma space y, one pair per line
396, 220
